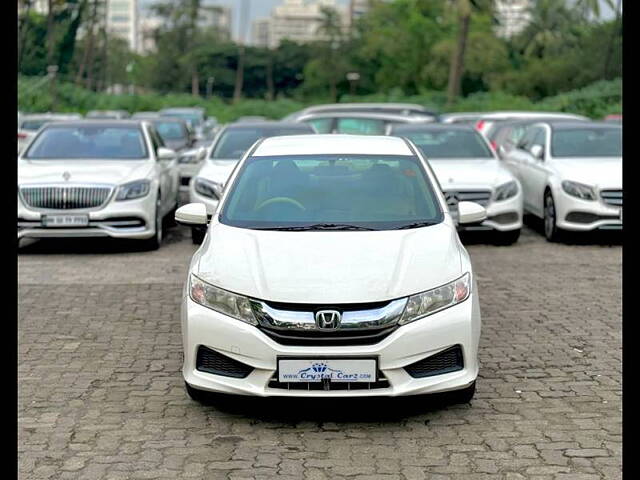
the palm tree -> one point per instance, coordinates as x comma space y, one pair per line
592, 7
550, 26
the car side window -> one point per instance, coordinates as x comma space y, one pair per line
539, 138
528, 140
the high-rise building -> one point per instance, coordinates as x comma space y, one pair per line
122, 20
218, 18
357, 9
296, 20
513, 16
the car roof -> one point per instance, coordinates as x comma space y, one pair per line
182, 109
529, 114
395, 117
364, 106
106, 122
419, 127
266, 124
327, 144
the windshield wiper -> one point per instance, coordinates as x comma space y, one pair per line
416, 225
319, 226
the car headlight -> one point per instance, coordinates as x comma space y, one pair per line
133, 190
432, 301
221, 301
579, 190
506, 190
188, 159
207, 188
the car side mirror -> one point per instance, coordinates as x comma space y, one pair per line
537, 151
166, 154
471, 212
201, 154
192, 214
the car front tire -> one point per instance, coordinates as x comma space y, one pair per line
197, 235
551, 230
507, 238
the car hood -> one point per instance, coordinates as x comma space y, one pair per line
454, 173
176, 145
329, 267
603, 172
83, 171
217, 170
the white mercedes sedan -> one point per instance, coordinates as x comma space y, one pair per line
97, 178
469, 170
332, 268
223, 155
571, 175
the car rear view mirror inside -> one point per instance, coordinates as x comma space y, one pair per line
471, 212
192, 214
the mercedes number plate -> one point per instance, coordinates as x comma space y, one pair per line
65, 220
335, 370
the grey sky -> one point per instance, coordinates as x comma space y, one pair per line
262, 8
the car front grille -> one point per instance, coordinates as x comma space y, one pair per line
210, 361
449, 360
329, 338
612, 197
382, 382
65, 197
479, 196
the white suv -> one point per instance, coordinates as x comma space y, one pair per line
469, 170
331, 268
571, 175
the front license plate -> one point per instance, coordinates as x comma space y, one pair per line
336, 370
65, 220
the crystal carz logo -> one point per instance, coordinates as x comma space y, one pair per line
320, 371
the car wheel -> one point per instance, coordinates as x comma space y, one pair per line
197, 235
551, 230
463, 396
507, 238
155, 241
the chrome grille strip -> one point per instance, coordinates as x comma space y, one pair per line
612, 197
63, 197
481, 197
289, 320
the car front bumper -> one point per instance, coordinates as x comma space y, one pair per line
585, 215
458, 325
503, 216
132, 219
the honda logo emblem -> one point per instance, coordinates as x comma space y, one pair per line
328, 319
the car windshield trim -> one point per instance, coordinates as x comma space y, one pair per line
338, 192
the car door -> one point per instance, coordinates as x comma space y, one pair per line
168, 173
538, 170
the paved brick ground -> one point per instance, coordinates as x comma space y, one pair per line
101, 397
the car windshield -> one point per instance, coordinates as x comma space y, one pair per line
194, 119
33, 125
587, 142
88, 141
171, 130
449, 143
234, 142
331, 192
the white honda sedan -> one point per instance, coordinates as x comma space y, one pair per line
571, 175
223, 155
97, 178
331, 268
469, 170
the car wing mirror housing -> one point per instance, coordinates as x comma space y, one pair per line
166, 154
201, 153
192, 215
471, 213
537, 151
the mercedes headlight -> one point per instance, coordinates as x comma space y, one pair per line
189, 158
579, 190
506, 190
133, 190
432, 301
221, 301
207, 188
